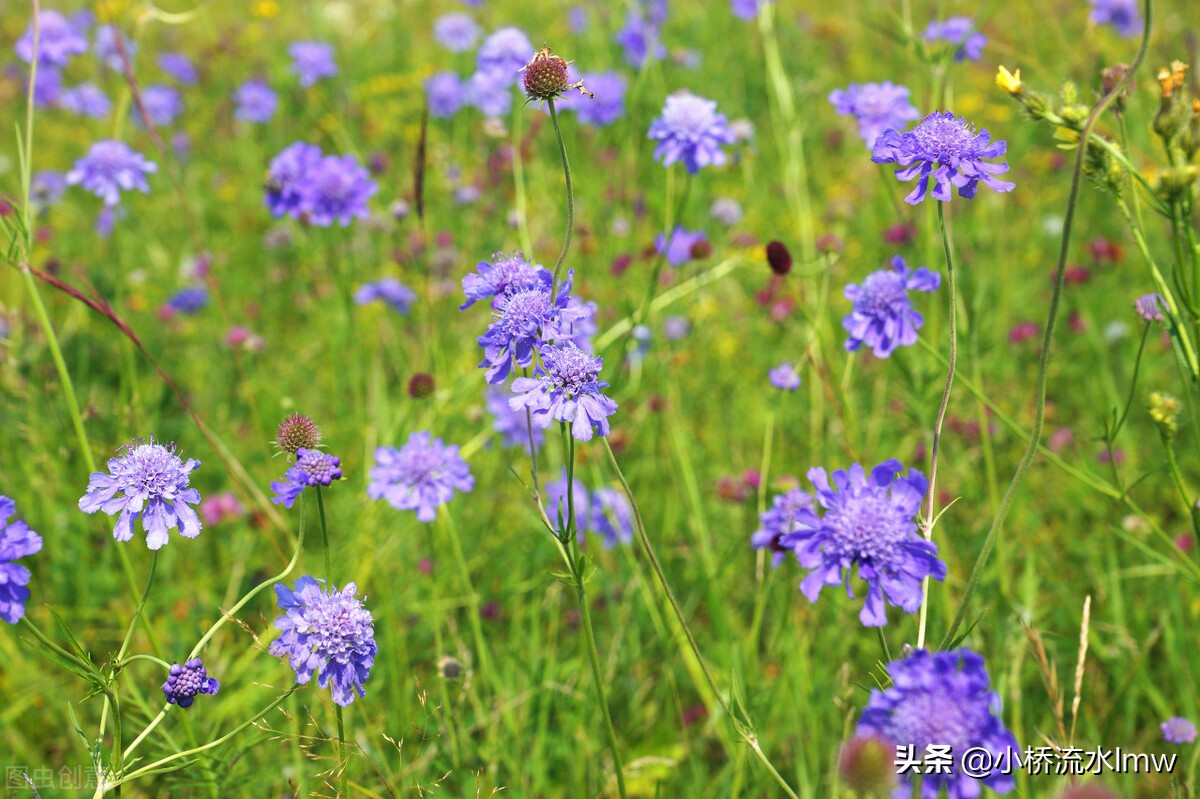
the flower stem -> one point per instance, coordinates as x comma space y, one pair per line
325, 536
562, 151
138, 612
930, 518
481, 647
341, 727
1039, 414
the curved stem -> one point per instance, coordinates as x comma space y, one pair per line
1039, 415
141, 604
562, 151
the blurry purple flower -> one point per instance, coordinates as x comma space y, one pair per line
948, 149
162, 103
58, 41
746, 9
727, 211
640, 38
612, 517
782, 519
959, 31
1022, 331
502, 275
467, 194
420, 476
566, 387
109, 51
875, 106
16, 541
446, 94
676, 327
47, 187
607, 106
1150, 307
109, 168
1178, 730
106, 220
513, 426
287, 176
557, 506
179, 67
312, 61
47, 87
389, 291
683, 245
187, 681
490, 92
1122, 15
579, 325
882, 317
690, 130
256, 102
784, 377
577, 17
456, 32
522, 320
312, 468
189, 300
336, 188
85, 100
503, 54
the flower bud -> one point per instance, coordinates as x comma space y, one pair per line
1164, 410
779, 258
297, 431
867, 766
547, 78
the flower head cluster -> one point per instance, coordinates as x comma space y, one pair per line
784, 377
641, 37
319, 189
312, 468
875, 107
605, 511
256, 102
948, 149
419, 476
163, 105
690, 130
59, 39
502, 275
958, 31
781, 520
685, 245
1122, 15
497, 70
445, 93
187, 681
868, 523
1178, 730
524, 318
388, 290
312, 61
109, 168
547, 77
297, 432
944, 699
882, 317
566, 387
456, 32
179, 67
188, 300
329, 634
16, 541
146, 481
1150, 307
85, 100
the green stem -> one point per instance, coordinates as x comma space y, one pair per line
661, 258
138, 612
598, 678
325, 536
1039, 415
124, 662
341, 728
343, 761
481, 647
930, 518
562, 151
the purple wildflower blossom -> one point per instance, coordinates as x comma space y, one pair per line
163, 104
784, 377
566, 387
312, 468
875, 107
389, 291
58, 41
1178, 730
256, 102
612, 517
690, 130
312, 61
287, 176
682, 246
557, 505
47, 87
188, 300
419, 476
502, 275
882, 317
336, 188
512, 425
1122, 15
47, 187
446, 94
640, 38
503, 54
16, 541
154, 485
179, 67
456, 32
109, 43
187, 681
490, 92
746, 9
109, 168
607, 106
947, 148
329, 634
782, 519
1150, 307
85, 100
945, 699
958, 31
676, 327
522, 319
868, 522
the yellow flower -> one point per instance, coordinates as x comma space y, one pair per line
1009, 81
265, 9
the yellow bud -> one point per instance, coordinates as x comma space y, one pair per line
1009, 81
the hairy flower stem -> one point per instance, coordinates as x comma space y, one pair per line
931, 497
1039, 414
341, 727
742, 726
562, 151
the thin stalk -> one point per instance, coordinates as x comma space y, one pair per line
138, 612
1039, 415
341, 727
930, 518
656, 270
562, 151
325, 536
481, 646
598, 678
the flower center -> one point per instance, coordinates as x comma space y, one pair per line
882, 293
945, 139
928, 718
572, 369
521, 313
339, 626
867, 527
690, 116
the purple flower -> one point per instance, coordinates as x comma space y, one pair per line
109, 43
882, 317
958, 31
944, 699
502, 275
503, 54
640, 37
189, 300
676, 327
456, 32
784, 377
47, 187
154, 485
162, 103
607, 106
948, 149
868, 522
522, 320
1122, 15
746, 9
179, 67
16, 541
329, 633
256, 102
513, 426
612, 516
1150, 307
446, 94
726, 210
312, 468
187, 681
875, 106
47, 87
336, 188
579, 324
389, 291
578, 18
566, 387
557, 506
782, 519
85, 100
690, 130
684, 245
109, 168
1178, 730
419, 476
287, 176
58, 41
312, 61
490, 92
106, 220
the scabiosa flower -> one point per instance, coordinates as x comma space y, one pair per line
784, 377
188, 300
85, 100
726, 210
419, 476
312, 468
162, 104
503, 54
256, 102
389, 291
445, 93
523, 319
490, 92
456, 32
109, 168
640, 38
109, 43
512, 425
1150, 307
336, 188
47, 187
875, 107
882, 317
947, 148
58, 41
868, 521
297, 432
287, 176
612, 516
607, 104
187, 681
746, 9
566, 387
153, 484
958, 31
579, 325
1122, 15
944, 698
557, 504
779, 258
502, 275
782, 519
684, 245
329, 634
179, 67
47, 87
312, 61
16, 541
676, 327
1178, 730
690, 130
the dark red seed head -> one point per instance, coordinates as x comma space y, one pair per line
778, 258
420, 385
